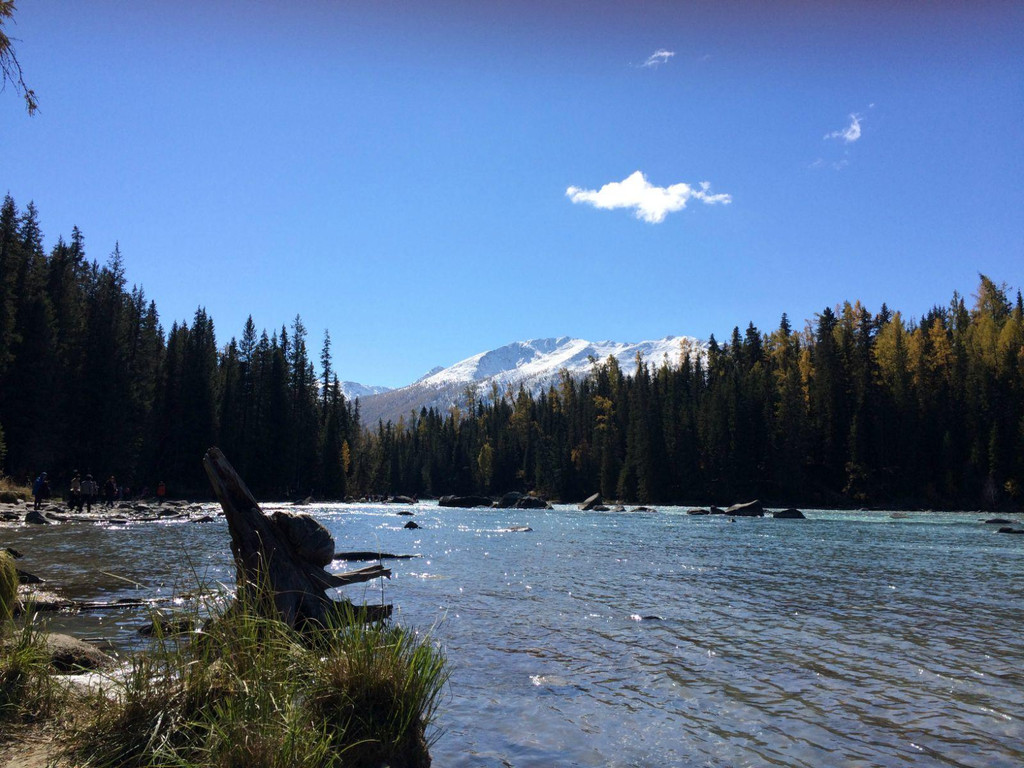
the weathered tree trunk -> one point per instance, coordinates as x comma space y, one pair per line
281, 559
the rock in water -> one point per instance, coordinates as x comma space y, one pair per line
747, 509
167, 626
464, 502
591, 502
410, 525
24, 577
789, 514
37, 517
532, 502
509, 500
68, 654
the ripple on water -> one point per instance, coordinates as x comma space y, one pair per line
853, 640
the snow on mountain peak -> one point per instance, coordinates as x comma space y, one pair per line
534, 364
353, 389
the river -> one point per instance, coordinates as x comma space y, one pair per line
655, 638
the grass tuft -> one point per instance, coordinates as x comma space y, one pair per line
377, 688
251, 691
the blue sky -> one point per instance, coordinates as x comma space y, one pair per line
404, 173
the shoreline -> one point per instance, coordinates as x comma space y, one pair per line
150, 510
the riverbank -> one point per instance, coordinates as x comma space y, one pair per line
50, 512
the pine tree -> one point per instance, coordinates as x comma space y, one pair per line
29, 387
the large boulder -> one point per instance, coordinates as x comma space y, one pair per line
517, 500
509, 500
310, 540
532, 502
789, 514
716, 511
464, 502
69, 654
591, 502
746, 509
403, 500
1008, 529
698, 511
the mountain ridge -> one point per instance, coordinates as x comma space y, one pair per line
534, 364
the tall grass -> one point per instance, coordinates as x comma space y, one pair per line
250, 691
27, 689
8, 587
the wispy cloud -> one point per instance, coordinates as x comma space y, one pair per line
659, 57
835, 165
651, 203
850, 133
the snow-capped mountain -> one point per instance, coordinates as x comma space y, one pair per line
535, 364
353, 389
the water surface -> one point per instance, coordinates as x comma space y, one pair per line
642, 639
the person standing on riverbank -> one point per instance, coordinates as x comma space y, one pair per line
89, 492
110, 491
40, 490
75, 495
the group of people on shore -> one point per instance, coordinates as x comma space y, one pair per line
84, 492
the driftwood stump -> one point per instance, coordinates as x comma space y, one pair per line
281, 558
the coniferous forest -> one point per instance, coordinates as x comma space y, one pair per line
857, 408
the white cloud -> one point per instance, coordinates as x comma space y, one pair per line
660, 56
652, 203
835, 165
849, 134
